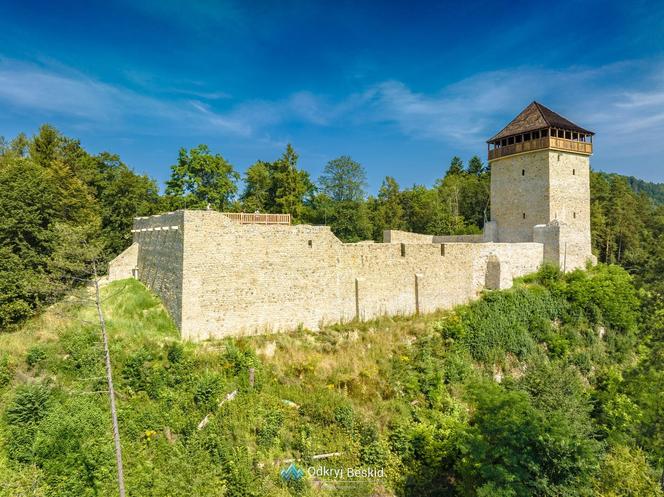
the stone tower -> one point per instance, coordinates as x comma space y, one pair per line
540, 191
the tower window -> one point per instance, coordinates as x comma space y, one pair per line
524, 215
573, 172
403, 250
574, 215
523, 172
311, 243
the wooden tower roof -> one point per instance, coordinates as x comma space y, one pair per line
534, 117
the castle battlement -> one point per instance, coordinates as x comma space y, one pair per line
230, 274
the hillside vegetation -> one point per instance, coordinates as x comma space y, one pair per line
552, 388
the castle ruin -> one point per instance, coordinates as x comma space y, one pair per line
231, 274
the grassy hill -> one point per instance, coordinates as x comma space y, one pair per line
545, 389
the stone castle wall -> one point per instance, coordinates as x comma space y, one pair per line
544, 196
398, 236
520, 185
124, 265
159, 259
241, 279
570, 204
219, 278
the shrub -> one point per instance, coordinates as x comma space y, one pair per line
511, 447
267, 433
140, 374
237, 359
30, 405
605, 295
175, 352
81, 347
207, 390
501, 322
345, 416
35, 355
624, 472
6, 370
75, 447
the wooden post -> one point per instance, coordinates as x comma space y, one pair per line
417, 292
357, 299
111, 391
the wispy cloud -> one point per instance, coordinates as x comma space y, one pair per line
56, 92
608, 99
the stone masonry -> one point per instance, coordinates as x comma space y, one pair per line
220, 278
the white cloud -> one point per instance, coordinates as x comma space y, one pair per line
623, 102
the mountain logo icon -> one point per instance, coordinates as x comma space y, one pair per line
292, 473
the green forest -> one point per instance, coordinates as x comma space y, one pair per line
552, 388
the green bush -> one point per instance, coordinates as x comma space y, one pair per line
501, 323
6, 370
345, 416
141, 373
83, 355
175, 352
29, 406
604, 295
207, 390
74, 445
512, 447
35, 355
266, 434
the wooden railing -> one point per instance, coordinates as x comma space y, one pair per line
248, 218
571, 145
541, 143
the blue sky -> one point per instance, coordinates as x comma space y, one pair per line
400, 87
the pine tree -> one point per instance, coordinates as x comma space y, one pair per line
288, 185
475, 166
456, 166
256, 194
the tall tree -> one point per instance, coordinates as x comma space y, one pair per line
342, 198
476, 166
387, 210
343, 179
256, 194
456, 166
200, 178
122, 195
288, 185
46, 146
